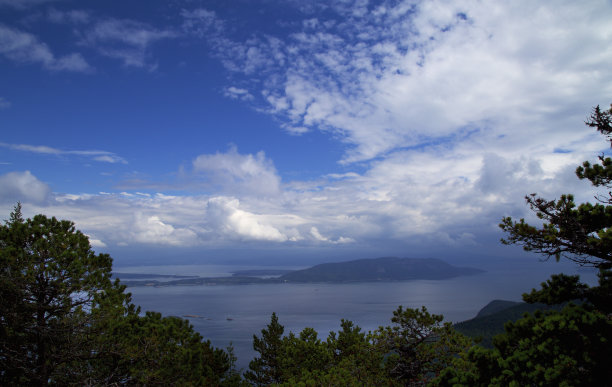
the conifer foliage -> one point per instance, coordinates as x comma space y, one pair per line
581, 233
570, 346
64, 321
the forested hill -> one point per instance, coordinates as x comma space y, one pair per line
491, 319
379, 269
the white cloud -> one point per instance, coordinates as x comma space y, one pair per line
409, 197
95, 242
24, 47
152, 230
23, 187
452, 112
238, 93
408, 74
314, 233
231, 221
239, 173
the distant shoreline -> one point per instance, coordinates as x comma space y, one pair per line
387, 269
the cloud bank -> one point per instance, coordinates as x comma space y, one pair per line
449, 113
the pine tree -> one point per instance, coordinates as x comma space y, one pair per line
266, 369
582, 233
53, 286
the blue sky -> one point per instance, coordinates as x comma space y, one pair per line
215, 129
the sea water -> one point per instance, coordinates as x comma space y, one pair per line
233, 314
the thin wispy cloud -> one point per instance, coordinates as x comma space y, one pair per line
97, 155
126, 40
71, 17
23, 47
4, 103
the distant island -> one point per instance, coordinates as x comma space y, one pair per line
361, 270
379, 269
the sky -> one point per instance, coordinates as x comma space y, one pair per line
255, 131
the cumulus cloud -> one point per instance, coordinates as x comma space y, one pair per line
95, 242
314, 233
229, 220
24, 47
235, 172
450, 198
22, 187
152, 230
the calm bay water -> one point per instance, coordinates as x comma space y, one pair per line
234, 313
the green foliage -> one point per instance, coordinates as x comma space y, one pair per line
419, 345
302, 354
570, 347
64, 321
52, 286
265, 369
411, 352
356, 354
156, 350
484, 327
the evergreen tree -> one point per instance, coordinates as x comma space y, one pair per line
418, 345
570, 347
52, 285
265, 369
64, 321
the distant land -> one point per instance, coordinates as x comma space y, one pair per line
140, 275
360, 270
260, 273
380, 269
490, 320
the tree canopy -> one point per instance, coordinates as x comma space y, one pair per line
63, 320
412, 351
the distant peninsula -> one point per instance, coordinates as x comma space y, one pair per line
361, 270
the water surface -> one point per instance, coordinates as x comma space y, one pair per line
234, 313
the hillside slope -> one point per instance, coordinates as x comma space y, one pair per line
490, 320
